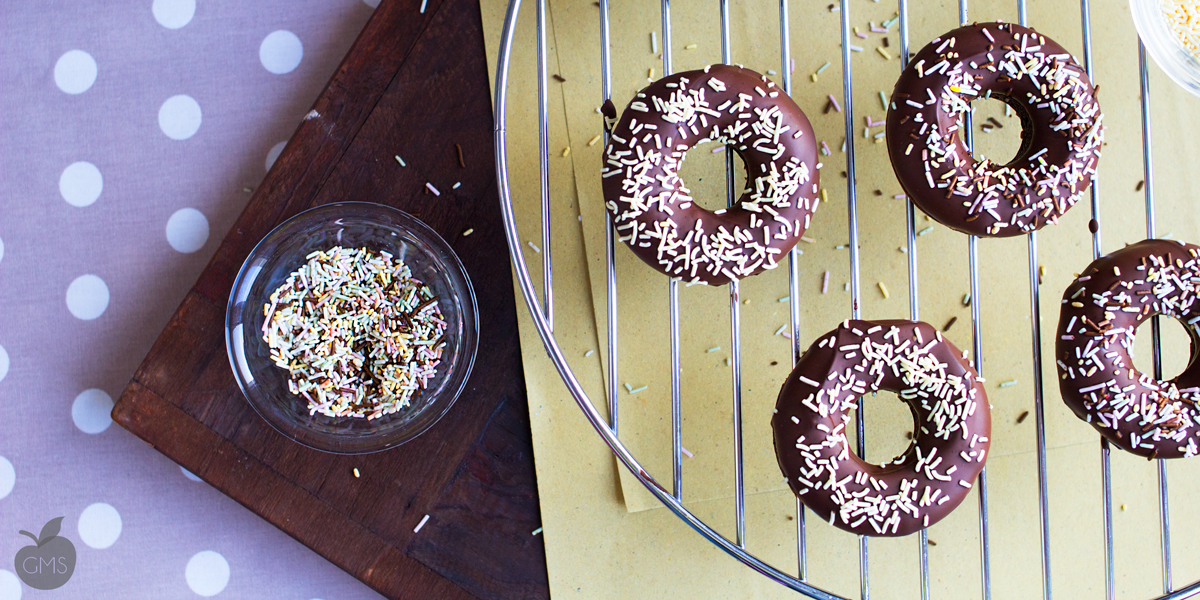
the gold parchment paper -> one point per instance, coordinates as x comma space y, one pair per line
598, 549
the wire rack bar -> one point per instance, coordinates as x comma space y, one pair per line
1164, 513
542, 314
673, 301
855, 292
914, 302
1035, 321
977, 349
785, 62
544, 165
1085, 15
735, 326
609, 256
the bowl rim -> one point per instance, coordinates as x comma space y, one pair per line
1176, 62
420, 230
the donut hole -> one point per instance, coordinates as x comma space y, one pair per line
703, 172
1176, 345
889, 428
998, 129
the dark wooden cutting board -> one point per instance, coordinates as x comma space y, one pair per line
414, 84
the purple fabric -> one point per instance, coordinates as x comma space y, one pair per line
114, 193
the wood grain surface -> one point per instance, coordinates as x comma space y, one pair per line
414, 84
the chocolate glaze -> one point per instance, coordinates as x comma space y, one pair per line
1061, 135
950, 441
1101, 311
652, 208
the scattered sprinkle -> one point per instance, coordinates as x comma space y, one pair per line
457, 184
535, 248
432, 189
401, 161
559, 78
719, 148
854, 48
925, 231
825, 283
883, 52
966, 301
654, 42
883, 99
356, 474
807, 240
1021, 419
685, 451
1139, 186
950, 323
628, 388
650, 73
781, 329
772, 72
713, 349
537, 531
727, 358
1009, 383
588, 353
247, 190
566, 151
593, 141
691, 46
421, 524
883, 289
823, 67
458, 150
833, 101
468, 232
423, 3
899, 197
639, 389
785, 299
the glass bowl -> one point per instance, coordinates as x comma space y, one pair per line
350, 225
1180, 65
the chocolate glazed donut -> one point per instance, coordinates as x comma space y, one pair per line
1060, 119
651, 207
1101, 310
949, 446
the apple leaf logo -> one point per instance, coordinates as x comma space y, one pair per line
49, 563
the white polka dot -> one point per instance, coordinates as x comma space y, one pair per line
87, 297
173, 14
99, 525
190, 475
187, 230
273, 155
80, 183
3, 363
207, 573
179, 117
92, 410
10, 586
8, 477
75, 72
281, 52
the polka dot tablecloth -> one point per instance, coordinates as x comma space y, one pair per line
133, 132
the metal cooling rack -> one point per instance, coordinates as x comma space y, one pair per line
543, 312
